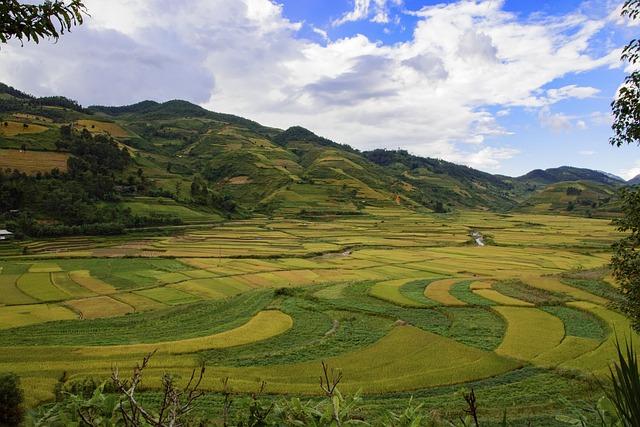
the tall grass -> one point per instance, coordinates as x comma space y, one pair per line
625, 382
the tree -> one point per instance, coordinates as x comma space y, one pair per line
33, 22
626, 127
11, 400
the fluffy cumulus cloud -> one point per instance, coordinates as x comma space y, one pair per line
429, 94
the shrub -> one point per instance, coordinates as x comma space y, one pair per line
11, 400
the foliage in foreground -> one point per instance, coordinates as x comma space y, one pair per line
117, 404
33, 22
11, 400
626, 127
626, 256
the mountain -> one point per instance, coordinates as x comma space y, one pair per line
634, 181
568, 173
198, 164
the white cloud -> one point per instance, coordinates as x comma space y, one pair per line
375, 10
428, 94
555, 121
571, 91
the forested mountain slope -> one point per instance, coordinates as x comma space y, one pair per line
187, 164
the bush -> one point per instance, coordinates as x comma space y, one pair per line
11, 400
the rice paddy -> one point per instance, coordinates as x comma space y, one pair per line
31, 162
399, 301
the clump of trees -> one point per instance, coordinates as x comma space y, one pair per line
626, 127
202, 195
11, 400
80, 200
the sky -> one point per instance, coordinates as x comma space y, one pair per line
505, 86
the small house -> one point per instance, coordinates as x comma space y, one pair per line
5, 235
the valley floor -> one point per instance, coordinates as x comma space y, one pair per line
405, 304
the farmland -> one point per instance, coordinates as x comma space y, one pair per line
404, 303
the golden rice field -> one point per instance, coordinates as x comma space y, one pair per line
33, 161
402, 303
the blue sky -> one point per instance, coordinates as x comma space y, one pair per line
505, 86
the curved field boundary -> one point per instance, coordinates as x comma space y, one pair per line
10, 293
62, 281
22, 315
39, 286
408, 358
493, 295
599, 360
530, 332
480, 285
266, 324
553, 284
84, 278
570, 348
438, 291
98, 307
390, 291
44, 267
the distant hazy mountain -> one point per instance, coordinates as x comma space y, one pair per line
634, 181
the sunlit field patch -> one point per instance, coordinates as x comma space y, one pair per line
100, 306
530, 332
39, 286
263, 325
390, 291
84, 278
439, 291
22, 315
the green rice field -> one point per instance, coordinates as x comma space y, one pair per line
403, 303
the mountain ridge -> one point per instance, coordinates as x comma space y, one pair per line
267, 170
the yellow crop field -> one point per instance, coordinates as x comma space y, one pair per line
39, 286
84, 278
401, 302
599, 360
501, 299
403, 360
110, 128
31, 162
22, 315
570, 348
264, 325
390, 291
100, 306
438, 291
11, 128
9, 292
62, 281
554, 284
530, 332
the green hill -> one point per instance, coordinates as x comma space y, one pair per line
584, 198
196, 165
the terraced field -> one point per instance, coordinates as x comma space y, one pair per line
403, 303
